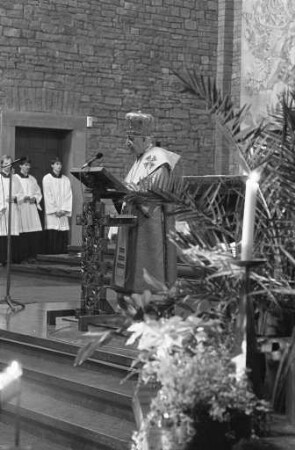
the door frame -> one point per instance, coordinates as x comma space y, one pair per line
77, 147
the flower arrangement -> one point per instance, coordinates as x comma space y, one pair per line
198, 384
185, 345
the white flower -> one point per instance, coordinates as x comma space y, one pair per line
181, 226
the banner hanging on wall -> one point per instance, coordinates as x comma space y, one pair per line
268, 54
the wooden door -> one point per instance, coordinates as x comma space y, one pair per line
40, 146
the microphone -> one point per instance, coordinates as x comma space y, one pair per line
15, 162
91, 160
18, 160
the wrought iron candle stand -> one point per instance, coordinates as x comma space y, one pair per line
10, 389
245, 325
14, 305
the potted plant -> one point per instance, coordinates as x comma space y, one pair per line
203, 400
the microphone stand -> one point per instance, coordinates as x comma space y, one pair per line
14, 305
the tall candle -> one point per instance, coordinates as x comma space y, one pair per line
249, 216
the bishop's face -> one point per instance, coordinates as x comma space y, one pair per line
136, 144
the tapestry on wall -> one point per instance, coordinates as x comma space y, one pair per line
268, 54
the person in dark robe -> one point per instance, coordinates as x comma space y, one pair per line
58, 199
146, 245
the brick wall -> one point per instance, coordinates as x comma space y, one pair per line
223, 76
228, 76
234, 166
236, 71
103, 58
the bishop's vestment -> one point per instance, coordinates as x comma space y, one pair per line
146, 245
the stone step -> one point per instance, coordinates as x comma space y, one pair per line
27, 440
76, 249
108, 358
73, 258
74, 272
53, 270
51, 412
69, 259
83, 408
96, 386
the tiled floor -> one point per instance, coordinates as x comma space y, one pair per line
36, 289
37, 294
40, 294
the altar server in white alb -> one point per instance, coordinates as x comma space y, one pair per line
17, 195
58, 199
29, 217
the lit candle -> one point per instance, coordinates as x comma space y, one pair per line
249, 216
10, 374
240, 361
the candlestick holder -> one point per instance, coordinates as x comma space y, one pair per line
10, 390
245, 325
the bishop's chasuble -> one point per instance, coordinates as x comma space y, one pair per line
146, 245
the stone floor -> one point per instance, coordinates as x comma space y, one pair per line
40, 294
38, 289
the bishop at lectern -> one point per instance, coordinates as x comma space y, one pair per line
145, 245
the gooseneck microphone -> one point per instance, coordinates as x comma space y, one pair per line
91, 160
18, 160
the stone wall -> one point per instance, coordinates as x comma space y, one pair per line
103, 58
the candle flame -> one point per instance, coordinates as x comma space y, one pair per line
254, 176
11, 373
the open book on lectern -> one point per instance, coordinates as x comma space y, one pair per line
100, 180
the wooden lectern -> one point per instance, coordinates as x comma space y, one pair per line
99, 184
